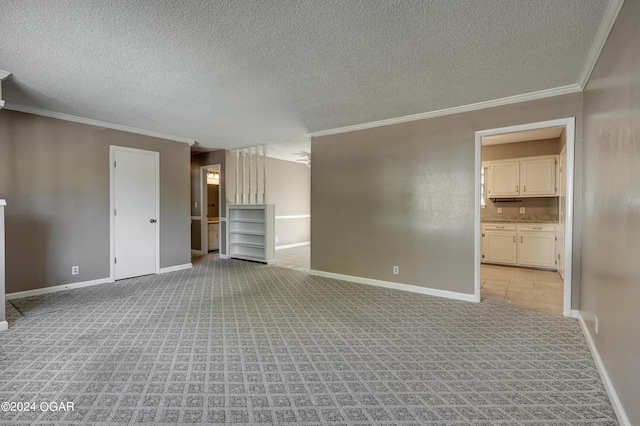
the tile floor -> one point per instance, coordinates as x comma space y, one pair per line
298, 258
540, 291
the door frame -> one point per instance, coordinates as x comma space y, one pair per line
112, 203
204, 237
570, 128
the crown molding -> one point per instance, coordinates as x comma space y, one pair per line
563, 90
609, 18
97, 123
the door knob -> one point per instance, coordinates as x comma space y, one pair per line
152, 221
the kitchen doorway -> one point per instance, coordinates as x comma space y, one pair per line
565, 180
211, 182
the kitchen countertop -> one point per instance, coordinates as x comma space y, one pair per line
517, 219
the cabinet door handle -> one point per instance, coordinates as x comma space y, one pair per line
525, 188
514, 238
537, 227
521, 239
499, 227
517, 188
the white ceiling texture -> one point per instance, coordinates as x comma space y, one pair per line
236, 73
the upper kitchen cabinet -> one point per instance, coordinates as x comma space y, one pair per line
538, 176
504, 179
523, 177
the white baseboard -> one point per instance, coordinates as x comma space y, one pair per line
175, 268
224, 256
63, 287
4, 325
613, 395
574, 313
57, 288
396, 286
306, 243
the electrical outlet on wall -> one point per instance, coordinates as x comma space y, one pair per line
499, 209
75, 270
195, 205
521, 209
396, 270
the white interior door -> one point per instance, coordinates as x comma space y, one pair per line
135, 197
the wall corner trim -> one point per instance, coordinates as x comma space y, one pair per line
287, 246
175, 268
613, 395
541, 94
4, 325
609, 18
57, 288
294, 216
92, 122
396, 286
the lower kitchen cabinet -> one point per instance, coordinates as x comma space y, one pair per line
532, 245
499, 244
537, 246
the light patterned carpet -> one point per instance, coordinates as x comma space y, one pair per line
244, 343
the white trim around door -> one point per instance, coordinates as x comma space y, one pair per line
569, 124
112, 230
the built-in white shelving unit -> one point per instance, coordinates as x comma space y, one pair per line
250, 232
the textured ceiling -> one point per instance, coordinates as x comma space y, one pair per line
233, 73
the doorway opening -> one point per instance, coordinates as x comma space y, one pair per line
542, 238
211, 182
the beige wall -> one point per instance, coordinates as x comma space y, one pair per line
213, 203
54, 175
520, 149
289, 188
404, 195
611, 232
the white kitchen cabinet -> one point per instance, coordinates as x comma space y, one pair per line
523, 177
214, 236
250, 232
537, 246
499, 244
504, 179
538, 177
531, 245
